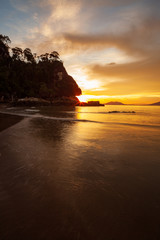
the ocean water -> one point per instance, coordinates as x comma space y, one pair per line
80, 173
125, 115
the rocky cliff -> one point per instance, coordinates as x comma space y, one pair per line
26, 75
64, 84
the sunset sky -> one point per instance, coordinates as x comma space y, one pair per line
110, 47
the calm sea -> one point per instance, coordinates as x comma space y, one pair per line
80, 173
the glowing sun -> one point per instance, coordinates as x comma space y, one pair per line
82, 98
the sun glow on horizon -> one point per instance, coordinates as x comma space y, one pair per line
83, 98
126, 99
81, 78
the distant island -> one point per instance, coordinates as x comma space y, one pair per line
114, 103
26, 78
156, 104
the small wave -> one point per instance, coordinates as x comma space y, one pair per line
32, 110
11, 108
134, 124
47, 117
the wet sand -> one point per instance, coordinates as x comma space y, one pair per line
6, 122
78, 181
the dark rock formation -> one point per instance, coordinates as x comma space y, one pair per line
64, 84
31, 102
57, 101
66, 101
122, 112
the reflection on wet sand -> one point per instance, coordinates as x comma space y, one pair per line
36, 205
50, 130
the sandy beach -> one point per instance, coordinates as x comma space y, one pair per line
70, 180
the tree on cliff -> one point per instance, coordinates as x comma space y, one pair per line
24, 74
28, 55
4, 48
17, 53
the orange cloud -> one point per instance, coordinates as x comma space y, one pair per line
136, 77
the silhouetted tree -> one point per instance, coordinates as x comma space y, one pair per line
54, 56
17, 53
28, 55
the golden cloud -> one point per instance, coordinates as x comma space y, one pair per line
133, 78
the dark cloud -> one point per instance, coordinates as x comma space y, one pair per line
113, 3
139, 40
